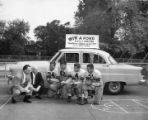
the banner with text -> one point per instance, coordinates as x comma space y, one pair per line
82, 41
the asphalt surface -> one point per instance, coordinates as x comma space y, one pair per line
132, 104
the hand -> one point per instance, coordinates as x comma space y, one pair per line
63, 82
96, 84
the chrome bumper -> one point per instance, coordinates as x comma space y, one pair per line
143, 82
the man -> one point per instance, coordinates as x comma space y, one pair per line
64, 72
21, 84
53, 77
93, 81
37, 82
77, 75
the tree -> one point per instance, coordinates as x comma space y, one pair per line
52, 36
110, 19
15, 37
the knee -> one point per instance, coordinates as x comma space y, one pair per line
16, 92
52, 86
84, 88
68, 86
79, 85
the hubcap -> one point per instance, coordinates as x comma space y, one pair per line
114, 86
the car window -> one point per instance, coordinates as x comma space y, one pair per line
70, 57
86, 58
98, 59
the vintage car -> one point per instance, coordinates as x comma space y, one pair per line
115, 76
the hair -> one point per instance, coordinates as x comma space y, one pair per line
77, 65
25, 67
34, 67
63, 62
53, 62
90, 65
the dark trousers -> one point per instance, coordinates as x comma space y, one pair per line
39, 92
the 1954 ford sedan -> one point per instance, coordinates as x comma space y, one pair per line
115, 76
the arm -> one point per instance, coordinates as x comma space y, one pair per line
39, 79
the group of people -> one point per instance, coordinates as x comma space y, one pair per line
63, 80
26, 83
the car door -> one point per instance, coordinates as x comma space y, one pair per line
99, 63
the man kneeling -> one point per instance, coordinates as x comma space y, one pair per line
21, 84
93, 81
53, 78
77, 77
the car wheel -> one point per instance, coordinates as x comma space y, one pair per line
114, 88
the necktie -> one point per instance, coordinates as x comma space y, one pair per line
53, 75
49, 75
32, 78
76, 75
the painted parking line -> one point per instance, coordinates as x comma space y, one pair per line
137, 101
125, 99
131, 106
119, 106
5, 103
126, 106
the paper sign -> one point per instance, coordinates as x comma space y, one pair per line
82, 41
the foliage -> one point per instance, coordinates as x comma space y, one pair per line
13, 37
51, 37
106, 17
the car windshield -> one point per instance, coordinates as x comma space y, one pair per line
112, 60
56, 56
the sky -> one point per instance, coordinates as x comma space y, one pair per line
38, 12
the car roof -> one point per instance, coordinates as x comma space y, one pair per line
101, 52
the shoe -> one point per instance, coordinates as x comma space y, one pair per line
95, 103
84, 101
79, 100
26, 100
69, 99
38, 97
13, 100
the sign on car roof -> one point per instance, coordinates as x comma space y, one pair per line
82, 41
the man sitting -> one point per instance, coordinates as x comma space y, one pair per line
93, 81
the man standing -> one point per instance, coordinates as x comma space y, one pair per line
37, 82
93, 81
77, 75
21, 84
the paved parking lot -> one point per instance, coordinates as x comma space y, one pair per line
132, 104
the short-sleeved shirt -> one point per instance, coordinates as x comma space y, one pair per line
96, 74
53, 74
78, 75
64, 74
